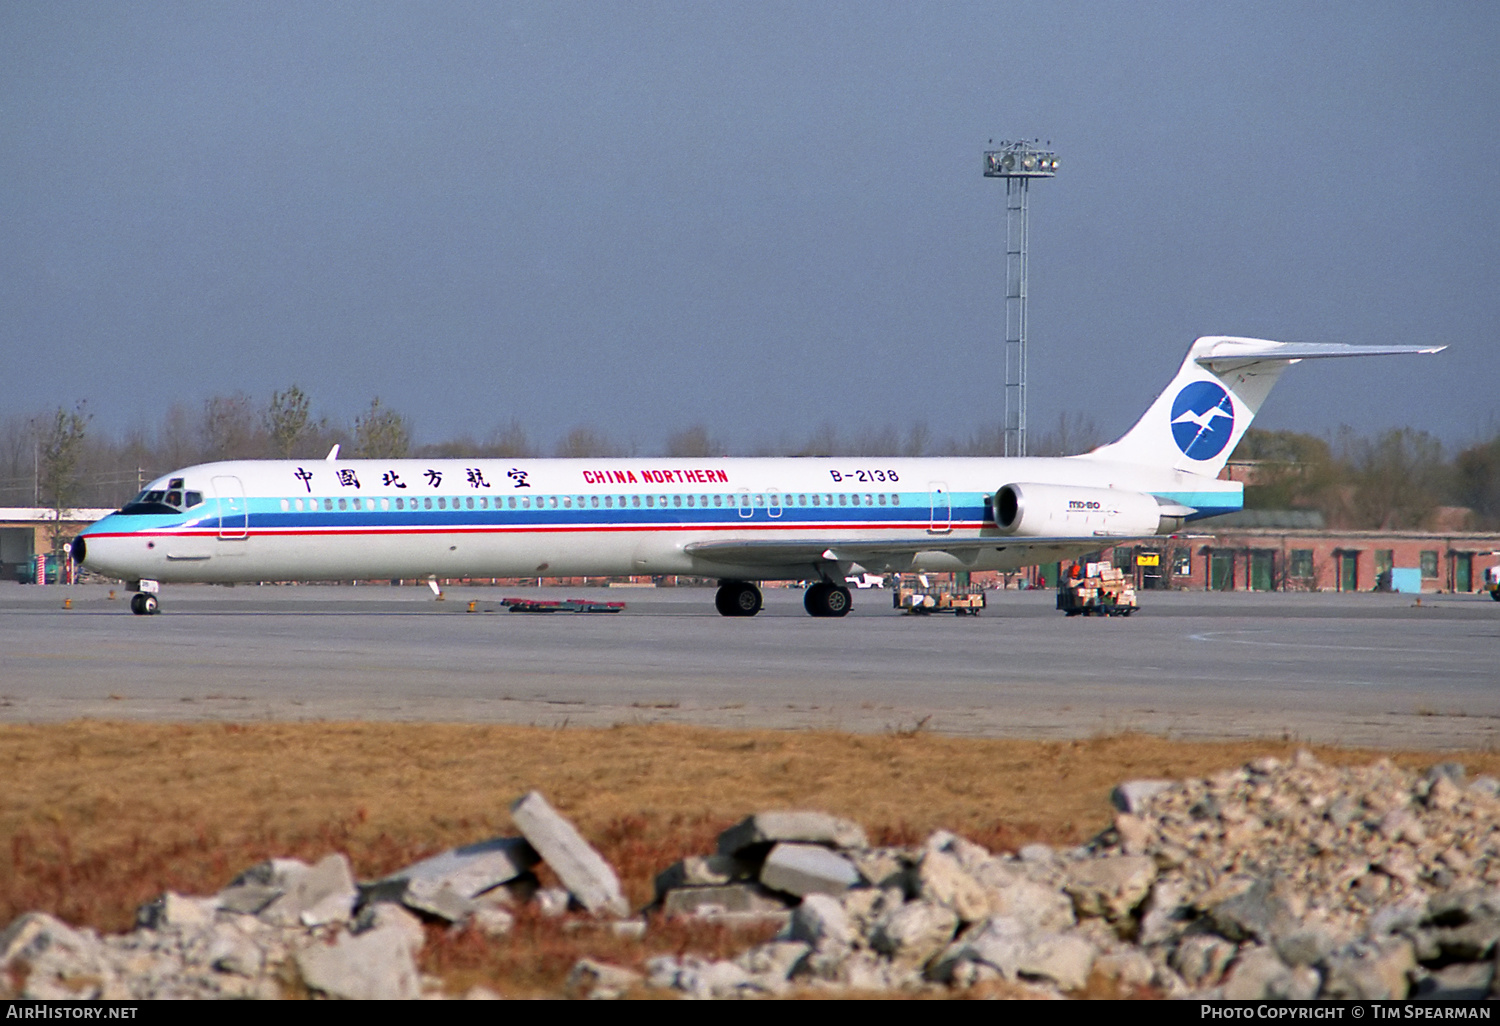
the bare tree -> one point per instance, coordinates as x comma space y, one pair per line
585, 441
1396, 480
1071, 435
60, 451
381, 434
509, 441
692, 442
228, 430
287, 421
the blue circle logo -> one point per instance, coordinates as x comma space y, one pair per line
1202, 420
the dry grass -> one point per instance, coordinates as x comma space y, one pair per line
101, 816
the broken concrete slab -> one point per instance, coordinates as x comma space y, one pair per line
310, 895
767, 828
804, 869
175, 910
461, 872
729, 899
582, 870
377, 965
702, 871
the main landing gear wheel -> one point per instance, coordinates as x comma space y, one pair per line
827, 600
142, 604
737, 598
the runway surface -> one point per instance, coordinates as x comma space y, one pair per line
1348, 669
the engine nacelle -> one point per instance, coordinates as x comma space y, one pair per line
1062, 511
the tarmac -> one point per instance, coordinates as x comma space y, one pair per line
1350, 669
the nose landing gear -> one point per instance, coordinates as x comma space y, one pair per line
142, 604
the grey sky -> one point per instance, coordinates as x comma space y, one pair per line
758, 216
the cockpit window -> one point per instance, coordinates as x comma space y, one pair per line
160, 501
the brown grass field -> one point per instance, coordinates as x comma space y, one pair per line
99, 817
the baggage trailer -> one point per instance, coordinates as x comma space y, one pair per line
1094, 589
922, 598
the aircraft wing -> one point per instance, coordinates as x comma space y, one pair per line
754, 552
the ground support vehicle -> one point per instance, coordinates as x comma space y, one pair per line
1095, 589
1492, 582
921, 598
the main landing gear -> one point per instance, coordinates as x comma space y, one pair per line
738, 598
823, 599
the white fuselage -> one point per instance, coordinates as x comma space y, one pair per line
368, 519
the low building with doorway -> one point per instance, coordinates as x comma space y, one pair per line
26, 532
1292, 550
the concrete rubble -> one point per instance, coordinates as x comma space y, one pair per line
1278, 880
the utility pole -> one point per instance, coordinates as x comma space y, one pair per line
1017, 163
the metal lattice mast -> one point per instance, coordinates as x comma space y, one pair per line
1017, 163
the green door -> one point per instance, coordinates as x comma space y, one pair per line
1221, 572
1261, 564
1463, 572
1049, 574
1349, 571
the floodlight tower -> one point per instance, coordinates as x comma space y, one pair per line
1018, 163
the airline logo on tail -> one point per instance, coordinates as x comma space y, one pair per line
1202, 420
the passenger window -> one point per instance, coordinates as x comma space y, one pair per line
343, 504
855, 497
882, 499
285, 506
869, 500
567, 502
385, 503
802, 500
427, 502
513, 502
400, 502
843, 500
551, 502
663, 499
651, 501
609, 502
677, 501
356, 503
469, 502
718, 500
760, 500
635, 500
690, 501
595, 502
895, 499
328, 505
815, 500
827, 499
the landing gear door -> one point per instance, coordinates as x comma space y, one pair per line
942, 508
234, 514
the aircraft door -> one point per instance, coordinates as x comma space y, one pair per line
746, 510
942, 508
773, 504
234, 513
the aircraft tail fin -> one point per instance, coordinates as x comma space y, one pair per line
1197, 421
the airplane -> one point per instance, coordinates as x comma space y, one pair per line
739, 520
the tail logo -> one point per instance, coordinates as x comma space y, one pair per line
1202, 420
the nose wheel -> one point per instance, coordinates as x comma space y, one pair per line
827, 600
142, 604
737, 598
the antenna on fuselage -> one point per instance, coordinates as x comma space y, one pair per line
333, 453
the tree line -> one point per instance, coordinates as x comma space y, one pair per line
1396, 479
